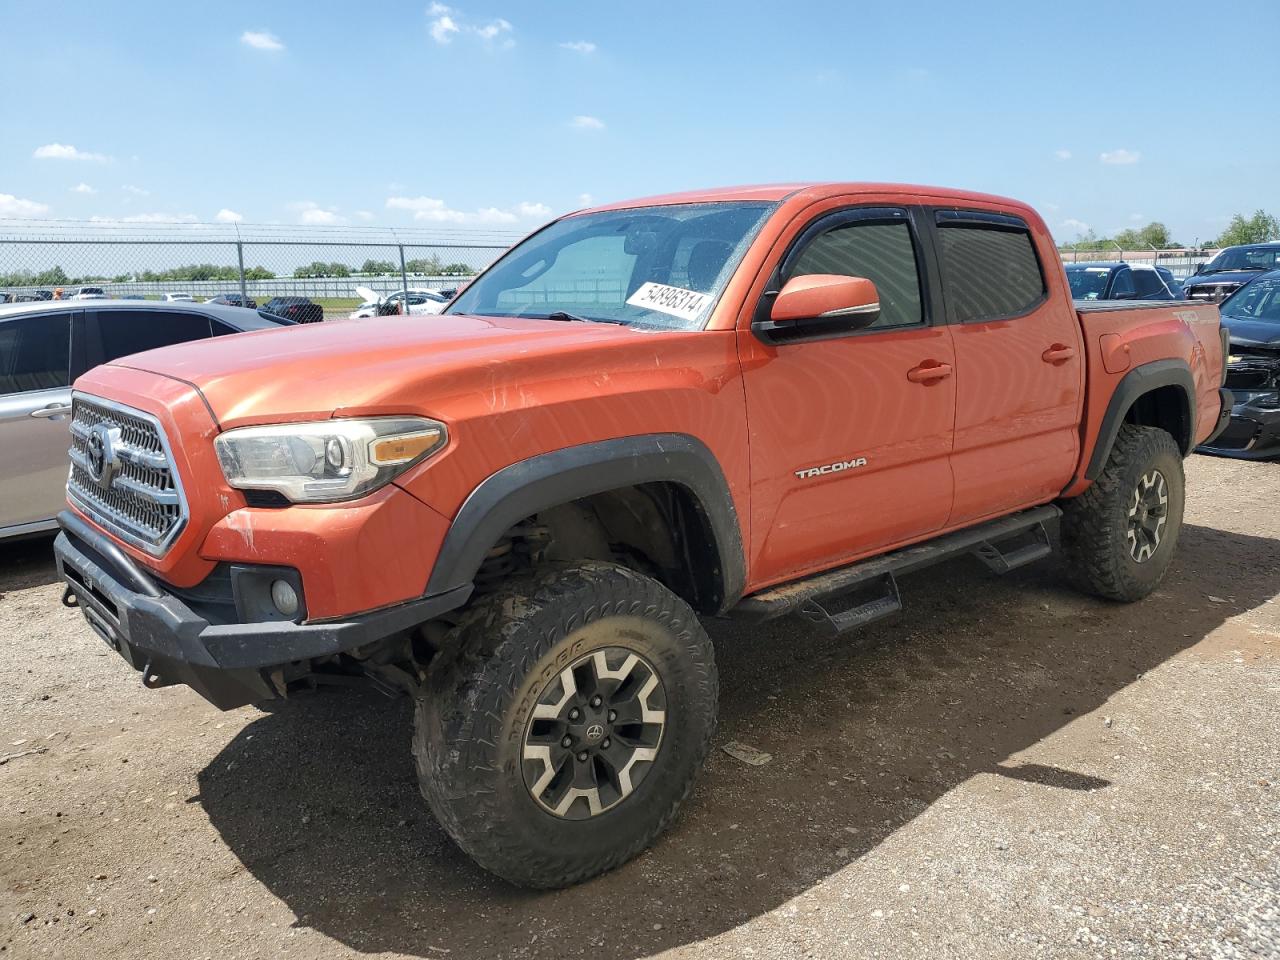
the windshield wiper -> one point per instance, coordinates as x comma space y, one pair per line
565, 316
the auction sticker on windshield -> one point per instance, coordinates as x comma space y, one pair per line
677, 301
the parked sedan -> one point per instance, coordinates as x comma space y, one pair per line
1231, 269
297, 309
43, 348
1252, 318
1121, 281
178, 298
234, 300
420, 301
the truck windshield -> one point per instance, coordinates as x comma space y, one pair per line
661, 267
1245, 258
1087, 283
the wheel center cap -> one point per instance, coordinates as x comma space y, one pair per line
595, 732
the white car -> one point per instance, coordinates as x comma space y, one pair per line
421, 301
89, 293
178, 298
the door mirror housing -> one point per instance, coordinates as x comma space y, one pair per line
819, 305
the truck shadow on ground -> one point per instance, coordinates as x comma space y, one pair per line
319, 801
26, 563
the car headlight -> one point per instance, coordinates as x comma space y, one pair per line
326, 460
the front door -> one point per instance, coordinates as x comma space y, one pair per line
35, 406
850, 435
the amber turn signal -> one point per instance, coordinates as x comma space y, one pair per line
390, 451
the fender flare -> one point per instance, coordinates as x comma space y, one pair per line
1138, 381
522, 489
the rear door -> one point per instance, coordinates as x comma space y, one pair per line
1019, 362
35, 403
112, 334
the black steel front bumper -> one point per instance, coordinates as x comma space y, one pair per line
229, 664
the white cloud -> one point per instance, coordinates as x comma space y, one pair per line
1137, 217
443, 27
579, 46
1074, 225
11, 206
363, 215
493, 29
587, 123
312, 214
136, 191
433, 210
438, 9
83, 188
149, 218
585, 199
65, 151
261, 40
227, 216
1062, 154
1120, 157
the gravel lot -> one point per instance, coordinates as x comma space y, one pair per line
1006, 769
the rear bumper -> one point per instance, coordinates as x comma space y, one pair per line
229, 664
1250, 432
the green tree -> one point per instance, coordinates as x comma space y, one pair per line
428, 265
457, 268
319, 269
1259, 228
379, 266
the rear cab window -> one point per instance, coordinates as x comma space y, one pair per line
990, 268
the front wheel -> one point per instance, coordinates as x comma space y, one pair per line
1119, 535
566, 734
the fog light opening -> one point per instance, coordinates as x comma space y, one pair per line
284, 597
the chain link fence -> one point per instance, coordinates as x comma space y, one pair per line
335, 268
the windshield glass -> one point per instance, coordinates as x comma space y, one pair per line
1087, 283
1245, 258
1260, 300
653, 267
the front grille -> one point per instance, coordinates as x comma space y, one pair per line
122, 475
1211, 292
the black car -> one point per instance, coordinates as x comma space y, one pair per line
1121, 281
1231, 269
297, 309
235, 300
1252, 318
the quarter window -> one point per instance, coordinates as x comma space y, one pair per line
34, 352
882, 252
988, 272
126, 332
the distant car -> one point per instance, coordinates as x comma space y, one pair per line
89, 293
420, 299
131, 296
1231, 269
234, 300
1118, 280
297, 309
178, 298
44, 347
1251, 316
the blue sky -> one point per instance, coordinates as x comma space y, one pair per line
491, 114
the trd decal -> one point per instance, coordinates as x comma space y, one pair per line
840, 465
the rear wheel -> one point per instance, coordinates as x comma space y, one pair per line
1119, 535
568, 731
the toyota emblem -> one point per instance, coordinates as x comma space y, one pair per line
595, 732
100, 448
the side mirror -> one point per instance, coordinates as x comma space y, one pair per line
1199, 269
849, 303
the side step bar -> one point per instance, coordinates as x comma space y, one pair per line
856, 595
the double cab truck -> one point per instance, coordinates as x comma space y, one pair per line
745, 402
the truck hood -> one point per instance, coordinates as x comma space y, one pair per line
366, 367
1253, 333
1221, 276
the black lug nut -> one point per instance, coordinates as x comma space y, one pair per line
567, 742
596, 700
606, 743
575, 713
613, 715
582, 757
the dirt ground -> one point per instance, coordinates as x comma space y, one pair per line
1006, 769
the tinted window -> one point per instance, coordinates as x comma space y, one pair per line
988, 272
881, 252
1123, 288
1148, 283
124, 332
34, 352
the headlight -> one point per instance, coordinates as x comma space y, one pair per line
327, 460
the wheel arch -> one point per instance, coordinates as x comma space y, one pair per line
1157, 394
559, 478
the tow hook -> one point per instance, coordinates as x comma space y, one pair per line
69, 598
150, 679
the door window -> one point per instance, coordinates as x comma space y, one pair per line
989, 270
884, 253
34, 352
124, 332
1148, 284
1123, 288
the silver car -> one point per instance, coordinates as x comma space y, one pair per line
43, 348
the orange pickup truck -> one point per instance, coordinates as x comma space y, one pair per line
742, 402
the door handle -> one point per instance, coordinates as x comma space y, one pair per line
1058, 353
929, 371
52, 410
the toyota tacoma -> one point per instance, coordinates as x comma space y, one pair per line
744, 402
